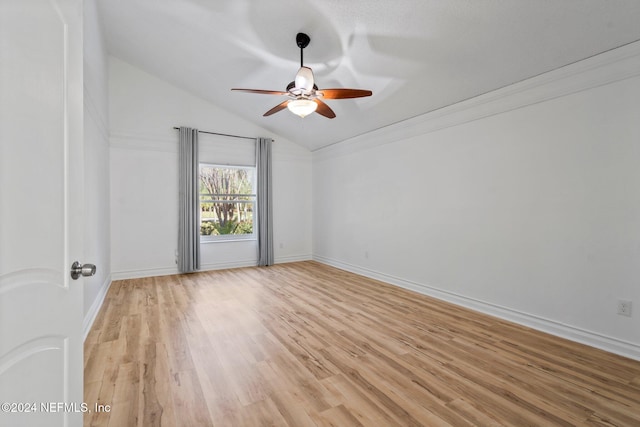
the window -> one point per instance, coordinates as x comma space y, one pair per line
227, 202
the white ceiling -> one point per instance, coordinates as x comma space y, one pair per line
415, 55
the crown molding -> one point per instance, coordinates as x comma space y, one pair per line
606, 68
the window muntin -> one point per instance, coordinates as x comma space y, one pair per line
227, 202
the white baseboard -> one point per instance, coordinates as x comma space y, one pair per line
593, 339
227, 265
137, 274
91, 315
167, 271
293, 258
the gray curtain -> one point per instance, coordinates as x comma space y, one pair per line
265, 220
188, 195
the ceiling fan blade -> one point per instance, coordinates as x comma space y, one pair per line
277, 108
264, 92
344, 93
324, 110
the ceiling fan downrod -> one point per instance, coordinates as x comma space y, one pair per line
302, 40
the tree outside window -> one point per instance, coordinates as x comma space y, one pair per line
227, 202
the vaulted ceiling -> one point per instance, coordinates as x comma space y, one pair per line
415, 55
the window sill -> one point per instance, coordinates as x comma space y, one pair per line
228, 240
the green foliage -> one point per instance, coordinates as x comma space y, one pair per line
245, 227
208, 228
227, 228
211, 228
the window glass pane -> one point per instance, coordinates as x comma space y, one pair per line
226, 218
227, 201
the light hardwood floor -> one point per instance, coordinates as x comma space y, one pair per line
304, 344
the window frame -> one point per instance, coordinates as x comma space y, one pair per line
254, 202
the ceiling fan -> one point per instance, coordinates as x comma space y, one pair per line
303, 95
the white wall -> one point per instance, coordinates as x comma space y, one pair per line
143, 111
523, 203
96, 157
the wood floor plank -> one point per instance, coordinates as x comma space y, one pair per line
293, 409
304, 345
474, 415
189, 401
125, 401
337, 416
359, 402
163, 407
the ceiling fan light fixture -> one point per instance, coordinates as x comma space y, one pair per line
302, 107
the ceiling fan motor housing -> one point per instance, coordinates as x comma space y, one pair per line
292, 85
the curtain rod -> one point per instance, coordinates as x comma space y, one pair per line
221, 134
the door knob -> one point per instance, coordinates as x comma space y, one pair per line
85, 270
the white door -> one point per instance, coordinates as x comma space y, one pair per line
41, 139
